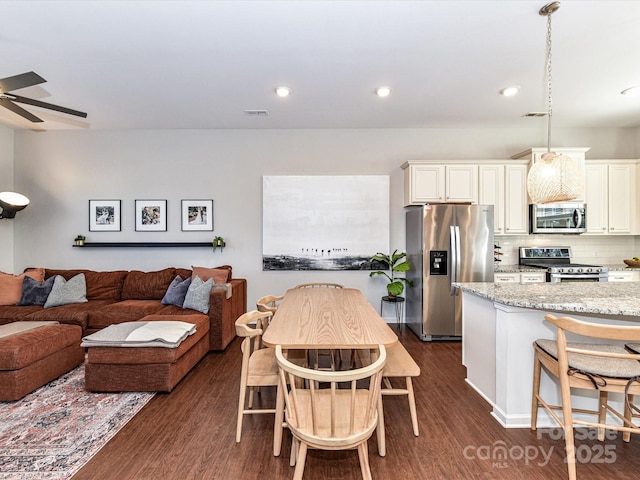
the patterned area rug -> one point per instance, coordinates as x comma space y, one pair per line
52, 432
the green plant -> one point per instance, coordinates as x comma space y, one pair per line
218, 242
396, 263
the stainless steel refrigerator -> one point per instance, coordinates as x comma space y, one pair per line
445, 244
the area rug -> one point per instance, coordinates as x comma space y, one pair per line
52, 432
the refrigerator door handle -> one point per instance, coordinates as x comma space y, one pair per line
458, 257
454, 261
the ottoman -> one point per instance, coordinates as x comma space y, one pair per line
146, 369
34, 353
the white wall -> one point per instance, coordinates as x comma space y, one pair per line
61, 170
6, 183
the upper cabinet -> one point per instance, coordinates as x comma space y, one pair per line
610, 188
505, 187
577, 154
435, 182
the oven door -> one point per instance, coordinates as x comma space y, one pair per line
577, 277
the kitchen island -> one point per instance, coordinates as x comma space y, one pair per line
500, 323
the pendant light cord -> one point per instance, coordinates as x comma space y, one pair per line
548, 71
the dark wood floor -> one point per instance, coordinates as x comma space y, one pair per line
190, 434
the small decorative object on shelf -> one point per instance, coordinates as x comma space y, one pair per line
80, 240
496, 254
218, 242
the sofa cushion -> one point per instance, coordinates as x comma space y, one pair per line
218, 274
69, 291
197, 297
34, 292
11, 285
147, 285
100, 285
124, 311
176, 292
11, 313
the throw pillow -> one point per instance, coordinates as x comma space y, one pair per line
197, 297
34, 292
219, 275
69, 291
176, 292
11, 285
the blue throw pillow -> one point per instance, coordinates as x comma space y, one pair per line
176, 292
34, 292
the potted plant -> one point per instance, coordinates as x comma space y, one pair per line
218, 242
80, 240
396, 263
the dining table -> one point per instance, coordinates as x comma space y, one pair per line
324, 318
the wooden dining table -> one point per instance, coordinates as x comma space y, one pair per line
323, 318
334, 318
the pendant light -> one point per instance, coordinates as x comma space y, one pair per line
12, 202
554, 178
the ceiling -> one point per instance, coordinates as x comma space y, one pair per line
201, 64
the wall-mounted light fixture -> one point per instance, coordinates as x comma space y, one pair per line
12, 202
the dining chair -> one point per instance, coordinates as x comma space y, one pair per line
259, 367
335, 356
319, 285
341, 416
269, 303
400, 365
596, 366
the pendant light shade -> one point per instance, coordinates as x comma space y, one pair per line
555, 178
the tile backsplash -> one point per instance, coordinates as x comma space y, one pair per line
596, 249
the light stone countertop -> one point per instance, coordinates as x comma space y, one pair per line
524, 268
601, 298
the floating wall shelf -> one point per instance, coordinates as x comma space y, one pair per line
143, 244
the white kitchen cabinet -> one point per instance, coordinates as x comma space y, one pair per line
515, 200
533, 277
433, 182
506, 278
491, 192
621, 276
505, 187
610, 191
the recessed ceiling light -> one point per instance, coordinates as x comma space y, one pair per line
631, 92
283, 91
383, 91
510, 91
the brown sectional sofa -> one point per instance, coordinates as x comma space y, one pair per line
126, 296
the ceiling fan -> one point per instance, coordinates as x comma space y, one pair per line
7, 100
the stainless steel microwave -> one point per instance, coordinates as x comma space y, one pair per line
558, 218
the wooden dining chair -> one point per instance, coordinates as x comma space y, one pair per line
341, 416
269, 303
593, 366
259, 367
335, 356
319, 285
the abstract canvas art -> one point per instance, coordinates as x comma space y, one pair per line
324, 222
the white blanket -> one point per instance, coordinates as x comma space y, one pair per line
167, 334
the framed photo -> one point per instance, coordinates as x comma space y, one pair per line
197, 215
151, 215
104, 215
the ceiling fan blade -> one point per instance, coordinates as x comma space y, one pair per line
19, 110
20, 81
50, 106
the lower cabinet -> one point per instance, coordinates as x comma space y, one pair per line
523, 277
624, 276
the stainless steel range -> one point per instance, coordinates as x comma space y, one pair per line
557, 262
